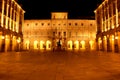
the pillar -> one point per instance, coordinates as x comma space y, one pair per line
7, 43
0, 41
17, 20
18, 44
105, 43
3, 43
10, 25
14, 43
2, 17
119, 41
7, 16
31, 45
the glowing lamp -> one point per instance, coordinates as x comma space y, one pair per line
3, 37
18, 41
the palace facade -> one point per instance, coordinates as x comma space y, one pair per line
59, 32
108, 26
11, 23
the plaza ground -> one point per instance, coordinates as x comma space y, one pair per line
59, 65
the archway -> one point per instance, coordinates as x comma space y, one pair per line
82, 45
27, 45
35, 44
59, 43
91, 43
1, 39
105, 43
99, 44
48, 45
76, 45
69, 44
14, 40
112, 42
7, 43
42, 45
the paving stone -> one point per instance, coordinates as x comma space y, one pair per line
59, 66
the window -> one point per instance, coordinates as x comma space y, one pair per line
64, 17
42, 24
64, 33
90, 24
54, 17
27, 24
76, 24
36, 24
69, 24
59, 33
48, 24
53, 33
81, 24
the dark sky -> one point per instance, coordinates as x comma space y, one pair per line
41, 9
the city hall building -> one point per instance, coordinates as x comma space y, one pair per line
108, 26
11, 23
59, 32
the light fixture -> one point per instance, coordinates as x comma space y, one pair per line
116, 35
3, 37
18, 40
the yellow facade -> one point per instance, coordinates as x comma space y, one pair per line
11, 23
108, 25
59, 32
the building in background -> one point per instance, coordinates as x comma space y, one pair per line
11, 23
108, 26
59, 32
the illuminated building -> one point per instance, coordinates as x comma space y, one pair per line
59, 32
11, 22
108, 28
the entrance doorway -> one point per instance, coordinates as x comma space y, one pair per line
59, 43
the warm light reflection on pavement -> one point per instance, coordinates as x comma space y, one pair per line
59, 66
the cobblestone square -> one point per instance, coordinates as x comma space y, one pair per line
59, 65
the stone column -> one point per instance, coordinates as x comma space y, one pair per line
116, 13
2, 17
7, 15
13, 19
0, 41
22, 20
10, 27
119, 41
14, 43
17, 20
3, 43
108, 44
7, 43
108, 18
31, 45
103, 43
112, 16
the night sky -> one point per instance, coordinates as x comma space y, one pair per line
41, 9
